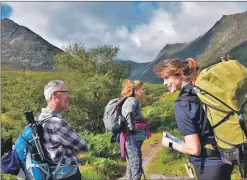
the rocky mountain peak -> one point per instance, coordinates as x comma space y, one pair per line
21, 47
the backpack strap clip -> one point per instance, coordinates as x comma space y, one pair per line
59, 163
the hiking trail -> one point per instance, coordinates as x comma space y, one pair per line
149, 150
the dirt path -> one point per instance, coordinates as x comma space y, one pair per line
150, 149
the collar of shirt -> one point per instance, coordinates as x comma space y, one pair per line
50, 112
187, 86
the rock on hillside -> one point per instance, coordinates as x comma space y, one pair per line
21, 47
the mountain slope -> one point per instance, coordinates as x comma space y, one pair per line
228, 35
21, 47
147, 74
230, 32
240, 53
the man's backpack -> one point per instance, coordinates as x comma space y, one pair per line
222, 88
27, 154
113, 119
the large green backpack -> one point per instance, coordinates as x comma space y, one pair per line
222, 88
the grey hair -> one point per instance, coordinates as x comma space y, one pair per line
51, 87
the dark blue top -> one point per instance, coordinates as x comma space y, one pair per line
187, 116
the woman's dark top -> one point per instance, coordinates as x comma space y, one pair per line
188, 120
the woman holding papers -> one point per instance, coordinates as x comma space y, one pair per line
178, 75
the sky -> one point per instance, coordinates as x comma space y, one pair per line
140, 29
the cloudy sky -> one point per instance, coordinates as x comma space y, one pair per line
141, 29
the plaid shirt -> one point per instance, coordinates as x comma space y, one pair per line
59, 136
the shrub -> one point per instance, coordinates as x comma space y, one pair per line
100, 145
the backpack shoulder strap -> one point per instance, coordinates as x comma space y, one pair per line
189, 98
40, 122
121, 101
187, 95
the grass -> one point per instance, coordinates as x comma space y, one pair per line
164, 163
88, 172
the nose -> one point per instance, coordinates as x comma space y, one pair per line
165, 82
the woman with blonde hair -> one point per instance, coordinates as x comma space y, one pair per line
137, 127
179, 75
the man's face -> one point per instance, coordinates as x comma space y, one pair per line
62, 98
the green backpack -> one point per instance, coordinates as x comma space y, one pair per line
222, 88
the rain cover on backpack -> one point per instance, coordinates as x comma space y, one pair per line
227, 81
223, 89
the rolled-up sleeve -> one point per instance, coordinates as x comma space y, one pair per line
67, 137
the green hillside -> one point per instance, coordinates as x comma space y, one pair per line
227, 34
240, 53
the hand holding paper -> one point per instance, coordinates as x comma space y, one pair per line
169, 138
165, 141
172, 138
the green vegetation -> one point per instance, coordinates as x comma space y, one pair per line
103, 161
161, 112
92, 84
168, 163
239, 53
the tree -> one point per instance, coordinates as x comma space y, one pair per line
95, 78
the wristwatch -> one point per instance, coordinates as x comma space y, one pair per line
171, 145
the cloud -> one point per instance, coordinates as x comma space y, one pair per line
6, 10
141, 29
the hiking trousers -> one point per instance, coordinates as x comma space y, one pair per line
134, 159
218, 172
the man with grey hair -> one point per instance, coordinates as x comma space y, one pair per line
59, 139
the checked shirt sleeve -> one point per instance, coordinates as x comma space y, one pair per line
66, 136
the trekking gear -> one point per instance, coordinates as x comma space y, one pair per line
10, 163
31, 157
113, 119
222, 90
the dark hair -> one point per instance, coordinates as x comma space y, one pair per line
188, 69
